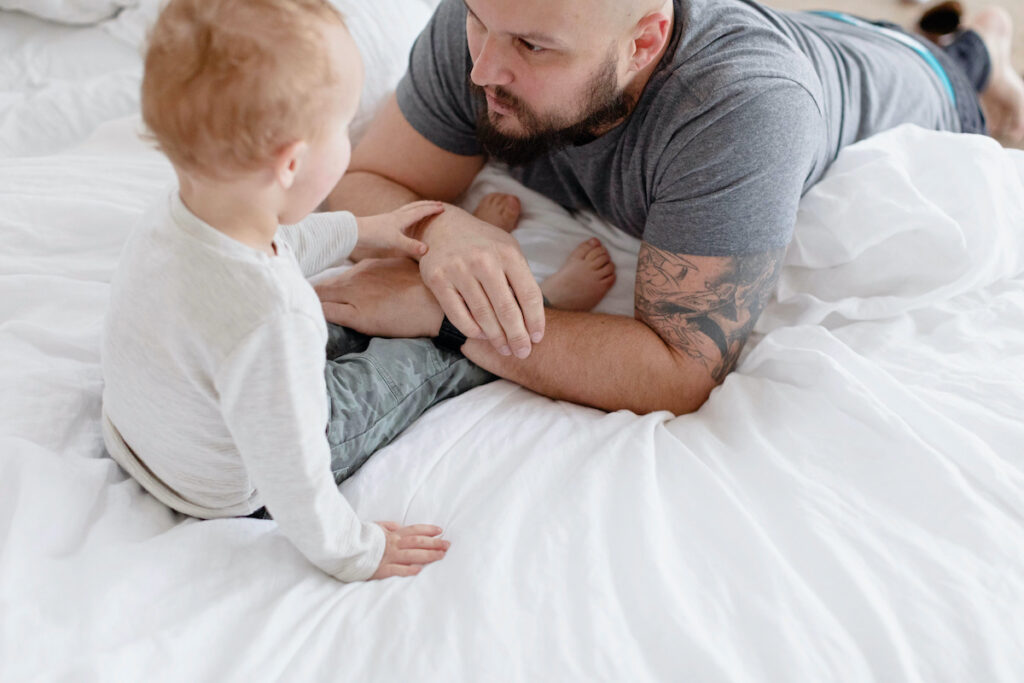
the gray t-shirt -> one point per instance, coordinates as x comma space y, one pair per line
744, 114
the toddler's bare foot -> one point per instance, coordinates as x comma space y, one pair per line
1003, 97
500, 209
583, 280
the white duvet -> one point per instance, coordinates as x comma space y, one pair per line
849, 505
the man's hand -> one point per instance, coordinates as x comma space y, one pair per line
481, 279
389, 231
408, 548
382, 298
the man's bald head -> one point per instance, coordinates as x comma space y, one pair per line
624, 15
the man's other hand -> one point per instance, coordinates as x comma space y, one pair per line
382, 298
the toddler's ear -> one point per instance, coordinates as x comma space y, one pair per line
287, 162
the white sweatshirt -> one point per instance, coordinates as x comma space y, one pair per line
213, 365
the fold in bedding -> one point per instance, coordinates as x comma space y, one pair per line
848, 505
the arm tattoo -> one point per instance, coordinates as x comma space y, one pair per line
705, 307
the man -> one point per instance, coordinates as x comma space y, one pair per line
696, 125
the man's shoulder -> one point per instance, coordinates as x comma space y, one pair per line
731, 52
731, 109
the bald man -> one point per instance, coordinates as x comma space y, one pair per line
696, 125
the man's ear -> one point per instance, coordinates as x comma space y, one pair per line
649, 36
288, 161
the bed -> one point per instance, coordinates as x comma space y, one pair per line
848, 505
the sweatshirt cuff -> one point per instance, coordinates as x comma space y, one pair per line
322, 240
366, 565
340, 234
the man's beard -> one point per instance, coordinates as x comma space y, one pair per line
605, 105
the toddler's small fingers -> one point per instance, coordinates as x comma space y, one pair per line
420, 530
399, 570
413, 248
413, 557
424, 542
414, 213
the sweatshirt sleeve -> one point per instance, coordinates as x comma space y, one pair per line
274, 400
321, 240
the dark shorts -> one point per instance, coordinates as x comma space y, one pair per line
969, 66
965, 61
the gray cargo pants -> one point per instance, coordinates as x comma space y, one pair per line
377, 387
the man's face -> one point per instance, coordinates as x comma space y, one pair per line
546, 73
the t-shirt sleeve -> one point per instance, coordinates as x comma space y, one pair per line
274, 400
730, 182
434, 95
321, 240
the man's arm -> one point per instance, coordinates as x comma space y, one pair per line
693, 315
394, 165
477, 271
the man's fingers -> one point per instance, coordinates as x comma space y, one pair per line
509, 315
390, 526
340, 314
455, 308
482, 310
531, 301
423, 542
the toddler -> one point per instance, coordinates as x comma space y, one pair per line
226, 394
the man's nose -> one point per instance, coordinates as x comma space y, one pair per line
489, 67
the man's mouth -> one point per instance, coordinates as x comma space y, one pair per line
498, 106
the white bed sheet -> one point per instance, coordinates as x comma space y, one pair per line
849, 505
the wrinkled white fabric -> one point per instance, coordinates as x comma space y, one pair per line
69, 11
58, 83
849, 505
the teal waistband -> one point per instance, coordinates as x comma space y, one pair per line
914, 45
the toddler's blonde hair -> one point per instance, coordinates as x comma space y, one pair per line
228, 83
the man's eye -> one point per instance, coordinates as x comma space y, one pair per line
531, 47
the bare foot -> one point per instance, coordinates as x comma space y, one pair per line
500, 209
583, 280
1003, 97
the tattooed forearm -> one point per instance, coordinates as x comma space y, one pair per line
705, 306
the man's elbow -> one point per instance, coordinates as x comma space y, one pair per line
681, 391
676, 399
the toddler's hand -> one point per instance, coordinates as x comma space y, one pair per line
389, 230
408, 548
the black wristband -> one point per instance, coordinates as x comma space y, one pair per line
449, 337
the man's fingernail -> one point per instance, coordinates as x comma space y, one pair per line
536, 337
505, 351
522, 352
